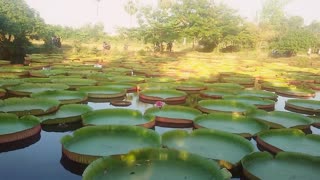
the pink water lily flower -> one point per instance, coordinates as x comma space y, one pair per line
159, 104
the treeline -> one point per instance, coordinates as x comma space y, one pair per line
215, 26
206, 25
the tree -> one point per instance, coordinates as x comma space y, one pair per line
19, 23
131, 8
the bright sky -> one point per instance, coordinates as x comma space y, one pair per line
76, 13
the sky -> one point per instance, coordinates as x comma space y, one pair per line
111, 13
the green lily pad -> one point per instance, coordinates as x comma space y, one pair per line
155, 86
284, 166
128, 79
295, 92
66, 114
89, 143
118, 116
281, 119
28, 106
103, 92
27, 89
46, 72
36, 80
155, 164
260, 103
306, 106
13, 128
75, 82
209, 143
244, 81
64, 96
229, 86
167, 96
259, 93
289, 140
227, 106
191, 86
130, 87
233, 123
216, 93
174, 116
9, 82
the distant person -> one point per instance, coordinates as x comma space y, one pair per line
58, 42
169, 46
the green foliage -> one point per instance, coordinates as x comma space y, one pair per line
294, 41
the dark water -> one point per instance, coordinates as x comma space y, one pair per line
42, 159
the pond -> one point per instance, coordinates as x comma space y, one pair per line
43, 159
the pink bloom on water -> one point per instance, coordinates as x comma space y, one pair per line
159, 104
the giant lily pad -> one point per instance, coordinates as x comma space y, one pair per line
118, 116
216, 93
233, 123
155, 86
229, 86
212, 144
306, 106
46, 72
66, 114
127, 79
27, 88
167, 96
290, 140
13, 128
174, 116
295, 92
130, 87
75, 82
155, 164
284, 166
265, 104
28, 106
9, 82
259, 93
64, 96
103, 92
244, 81
91, 142
191, 86
281, 119
227, 106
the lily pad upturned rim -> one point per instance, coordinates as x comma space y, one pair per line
265, 146
77, 97
13, 136
51, 106
151, 154
262, 156
201, 103
166, 121
292, 105
221, 134
220, 116
86, 132
59, 117
178, 97
192, 86
149, 119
